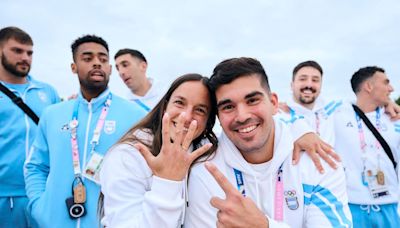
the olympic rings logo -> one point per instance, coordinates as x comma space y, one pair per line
290, 193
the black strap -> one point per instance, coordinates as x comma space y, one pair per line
21, 104
376, 133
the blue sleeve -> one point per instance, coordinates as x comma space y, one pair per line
37, 165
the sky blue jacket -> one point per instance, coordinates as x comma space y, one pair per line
49, 171
17, 132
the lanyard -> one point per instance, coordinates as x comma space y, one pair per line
363, 143
96, 133
317, 123
278, 200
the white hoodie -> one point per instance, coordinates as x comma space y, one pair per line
320, 118
348, 145
133, 196
152, 97
321, 198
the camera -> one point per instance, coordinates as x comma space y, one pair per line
75, 210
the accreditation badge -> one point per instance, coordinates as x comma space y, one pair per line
376, 185
92, 169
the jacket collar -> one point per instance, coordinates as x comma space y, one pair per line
283, 148
96, 102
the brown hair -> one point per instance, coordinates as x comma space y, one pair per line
15, 33
152, 123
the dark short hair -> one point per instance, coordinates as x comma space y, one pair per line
87, 39
230, 69
132, 52
15, 33
309, 63
362, 75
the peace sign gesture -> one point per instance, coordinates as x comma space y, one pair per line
174, 159
235, 210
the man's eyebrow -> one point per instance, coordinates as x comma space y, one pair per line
87, 53
103, 53
253, 94
223, 102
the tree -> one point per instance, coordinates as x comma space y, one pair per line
398, 100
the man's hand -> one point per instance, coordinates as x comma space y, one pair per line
393, 110
284, 107
235, 210
174, 159
316, 149
72, 97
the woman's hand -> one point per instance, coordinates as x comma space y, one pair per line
174, 159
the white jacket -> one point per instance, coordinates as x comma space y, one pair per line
349, 148
320, 118
321, 198
152, 97
133, 196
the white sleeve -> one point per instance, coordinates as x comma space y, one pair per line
297, 124
135, 198
326, 202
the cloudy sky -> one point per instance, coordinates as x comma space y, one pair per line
179, 37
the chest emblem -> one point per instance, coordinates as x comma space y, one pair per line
109, 126
291, 199
42, 96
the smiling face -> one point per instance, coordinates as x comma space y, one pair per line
193, 98
245, 110
93, 68
306, 86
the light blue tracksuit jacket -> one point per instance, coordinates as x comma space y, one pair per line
17, 131
49, 170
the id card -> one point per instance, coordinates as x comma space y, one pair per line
376, 189
92, 169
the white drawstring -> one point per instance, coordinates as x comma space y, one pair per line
11, 203
368, 208
257, 190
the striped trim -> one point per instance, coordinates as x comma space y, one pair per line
145, 107
397, 128
329, 205
330, 111
329, 105
293, 117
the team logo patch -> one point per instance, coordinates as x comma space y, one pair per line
42, 96
291, 199
109, 126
